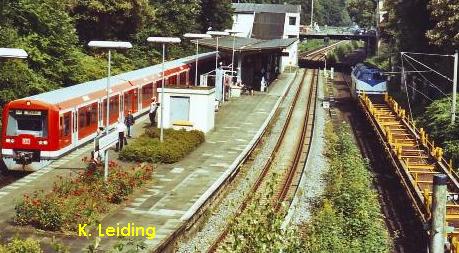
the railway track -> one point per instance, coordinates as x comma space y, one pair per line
290, 180
318, 54
400, 218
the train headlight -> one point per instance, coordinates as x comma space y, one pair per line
40, 142
12, 140
45, 142
8, 140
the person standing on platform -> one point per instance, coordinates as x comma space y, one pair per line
129, 121
121, 128
153, 109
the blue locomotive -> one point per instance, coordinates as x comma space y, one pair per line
367, 79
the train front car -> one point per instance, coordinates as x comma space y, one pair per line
29, 134
367, 79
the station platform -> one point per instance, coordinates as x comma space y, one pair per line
174, 188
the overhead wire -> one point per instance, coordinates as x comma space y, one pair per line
425, 78
426, 66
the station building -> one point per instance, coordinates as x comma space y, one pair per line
270, 22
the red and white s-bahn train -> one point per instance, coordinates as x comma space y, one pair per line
42, 128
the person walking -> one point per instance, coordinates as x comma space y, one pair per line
121, 128
153, 109
129, 121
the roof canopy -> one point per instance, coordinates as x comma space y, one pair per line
271, 8
246, 44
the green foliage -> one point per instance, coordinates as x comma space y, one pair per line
310, 45
362, 12
341, 50
437, 121
445, 16
177, 144
259, 229
348, 218
215, 14
21, 246
55, 34
382, 60
72, 200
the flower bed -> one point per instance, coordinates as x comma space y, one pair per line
148, 148
81, 199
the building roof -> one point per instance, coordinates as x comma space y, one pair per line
64, 94
271, 8
242, 44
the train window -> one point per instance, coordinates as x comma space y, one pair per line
65, 124
27, 122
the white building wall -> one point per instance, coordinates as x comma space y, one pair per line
201, 111
243, 23
291, 30
292, 58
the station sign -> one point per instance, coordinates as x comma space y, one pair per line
107, 141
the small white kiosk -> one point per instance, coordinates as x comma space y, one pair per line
188, 107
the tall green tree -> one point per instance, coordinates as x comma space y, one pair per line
362, 12
216, 14
445, 16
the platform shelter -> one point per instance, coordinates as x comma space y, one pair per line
253, 58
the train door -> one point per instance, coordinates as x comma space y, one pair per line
65, 129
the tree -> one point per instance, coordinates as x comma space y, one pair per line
445, 17
111, 19
362, 12
216, 14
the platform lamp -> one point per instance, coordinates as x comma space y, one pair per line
233, 33
217, 34
110, 45
15, 53
197, 36
163, 41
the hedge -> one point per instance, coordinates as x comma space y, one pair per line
147, 148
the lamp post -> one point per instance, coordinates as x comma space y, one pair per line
217, 34
233, 33
196, 36
163, 41
16, 53
109, 45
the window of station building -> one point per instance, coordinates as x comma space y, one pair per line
292, 20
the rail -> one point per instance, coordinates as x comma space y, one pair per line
416, 159
280, 197
198, 209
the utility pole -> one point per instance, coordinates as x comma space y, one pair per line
453, 109
312, 11
437, 233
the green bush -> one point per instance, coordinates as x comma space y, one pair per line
348, 219
21, 246
177, 144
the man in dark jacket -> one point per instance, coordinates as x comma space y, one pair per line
129, 121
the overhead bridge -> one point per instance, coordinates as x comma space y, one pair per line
337, 36
415, 158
